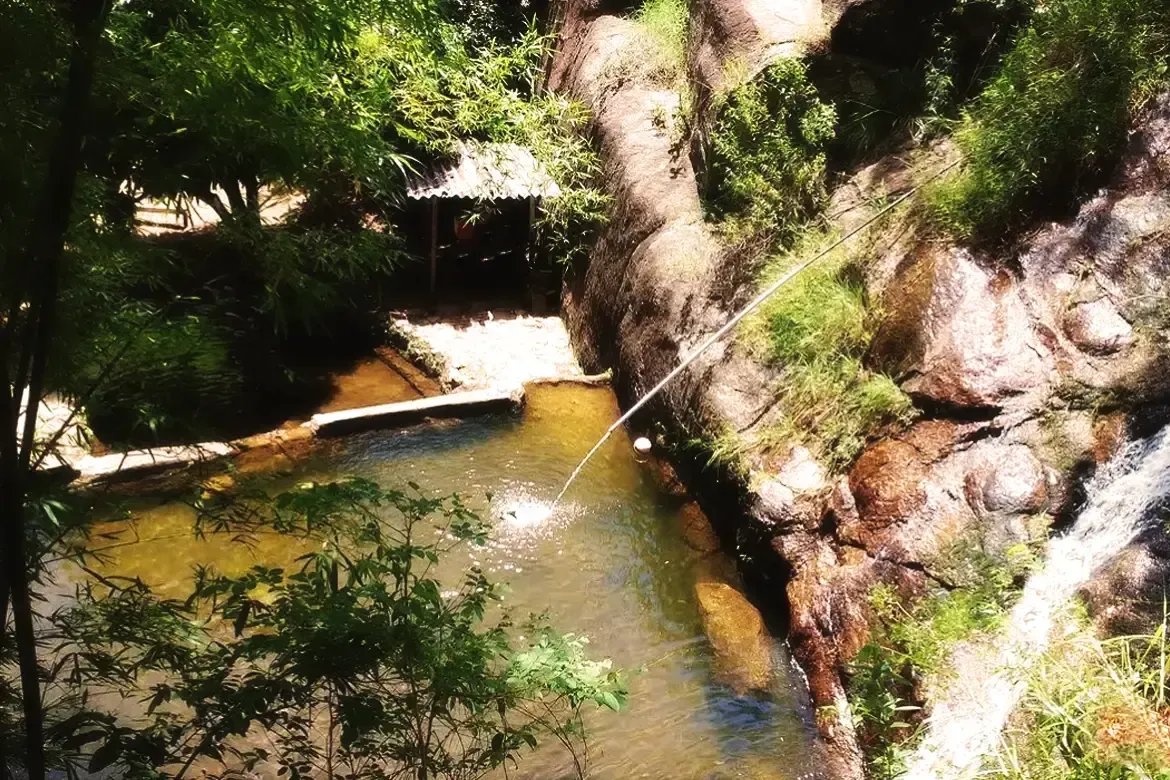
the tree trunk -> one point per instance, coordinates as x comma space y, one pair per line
41, 262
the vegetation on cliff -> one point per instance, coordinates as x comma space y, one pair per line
1049, 125
766, 174
818, 330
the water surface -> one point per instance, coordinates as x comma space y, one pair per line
611, 565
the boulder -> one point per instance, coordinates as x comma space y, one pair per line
743, 652
733, 39
1129, 596
1015, 483
976, 343
1098, 327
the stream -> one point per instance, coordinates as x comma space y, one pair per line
611, 564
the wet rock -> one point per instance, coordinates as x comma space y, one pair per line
1097, 327
665, 478
696, 529
1110, 432
978, 347
1015, 483
801, 472
743, 653
776, 504
887, 483
1129, 595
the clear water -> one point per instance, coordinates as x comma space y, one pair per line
611, 564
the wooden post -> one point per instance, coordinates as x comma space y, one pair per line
434, 241
531, 228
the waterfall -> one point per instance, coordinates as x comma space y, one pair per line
966, 721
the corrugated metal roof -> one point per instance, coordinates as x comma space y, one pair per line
485, 172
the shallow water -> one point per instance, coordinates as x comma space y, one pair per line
611, 564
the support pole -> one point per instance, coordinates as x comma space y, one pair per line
531, 229
434, 242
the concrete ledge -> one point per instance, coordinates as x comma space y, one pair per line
405, 413
588, 380
140, 463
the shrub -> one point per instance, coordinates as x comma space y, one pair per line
1047, 126
767, 155
664, 25
353, 662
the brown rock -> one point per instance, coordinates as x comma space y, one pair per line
1110, 433
978, 344
886, 483
743, 653
697, 530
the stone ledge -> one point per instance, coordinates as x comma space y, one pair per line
405, 413
140, 463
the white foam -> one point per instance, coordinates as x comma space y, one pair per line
967, 719
526, 514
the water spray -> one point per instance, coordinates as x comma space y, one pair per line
730, 325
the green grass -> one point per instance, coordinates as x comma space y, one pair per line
909, 642
664, 24
767, 170
1048, 125
658, 53
818, 329
1095, 709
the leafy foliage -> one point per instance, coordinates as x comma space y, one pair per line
357, 662
767, 155
216, 102
892, 89
1046, 127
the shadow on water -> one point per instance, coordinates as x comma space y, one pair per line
610, 564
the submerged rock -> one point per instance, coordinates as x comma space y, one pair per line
743, 652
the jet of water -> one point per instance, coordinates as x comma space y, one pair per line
730, 325
967, 719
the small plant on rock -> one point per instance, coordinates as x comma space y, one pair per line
767, 156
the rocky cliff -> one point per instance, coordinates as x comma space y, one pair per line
1028, 365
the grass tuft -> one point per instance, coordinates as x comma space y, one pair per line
818, 328
1096, 709
658, 55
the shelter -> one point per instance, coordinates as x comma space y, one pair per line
484, 172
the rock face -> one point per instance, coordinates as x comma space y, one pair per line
1010, 358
